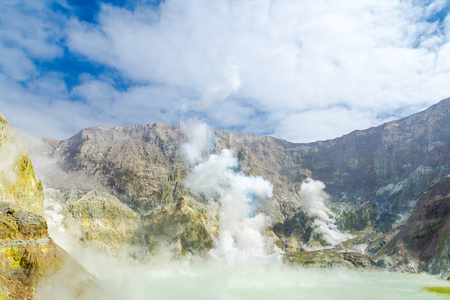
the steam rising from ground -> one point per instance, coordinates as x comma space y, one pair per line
65, 233
216, 178
10, 151
314, 203
201, 141
9, 155
50, 169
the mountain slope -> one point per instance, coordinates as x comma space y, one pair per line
424, 241
388, 165
141, 164
374, 177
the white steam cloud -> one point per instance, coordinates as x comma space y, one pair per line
10, 150
201, 141
62, 228
216, 179
9, 155
314, 200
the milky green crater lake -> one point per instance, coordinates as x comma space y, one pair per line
219, 280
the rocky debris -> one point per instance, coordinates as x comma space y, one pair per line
359, 219
28, 256
16, 224
100, 220
105, 222
423, 242
296, 234
187, 226
329, 258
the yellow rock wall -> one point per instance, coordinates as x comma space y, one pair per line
18, 182
27, 254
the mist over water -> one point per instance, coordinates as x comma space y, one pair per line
218, 281
196, 278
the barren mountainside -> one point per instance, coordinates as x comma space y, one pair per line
139, 163
374, 178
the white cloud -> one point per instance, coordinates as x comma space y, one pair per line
29, 25
26, 34
435, 7
292, 55
259, 66
15, 64
313, 125
443, 61
223, 91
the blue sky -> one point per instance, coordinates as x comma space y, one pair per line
298, 70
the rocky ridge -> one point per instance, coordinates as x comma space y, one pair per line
374, 178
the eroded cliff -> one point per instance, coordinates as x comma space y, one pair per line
27, 254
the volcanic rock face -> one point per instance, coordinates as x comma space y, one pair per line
424, 241
27, 254
184, 223
18, 183
139, 164
104, 219
374, 178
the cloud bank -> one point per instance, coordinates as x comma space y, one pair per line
298, 70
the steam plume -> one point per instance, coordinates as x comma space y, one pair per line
216, 179
314, 202
9, 155
200, 141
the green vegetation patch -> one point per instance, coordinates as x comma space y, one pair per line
443, 290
